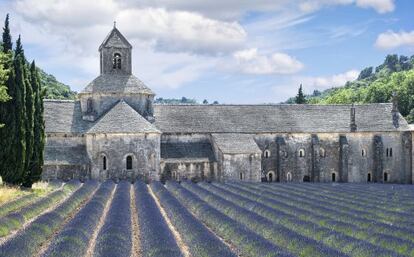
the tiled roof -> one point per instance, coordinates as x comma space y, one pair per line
66, 155
236, 143
117, 83
64, 117
122, 118
190, 150
282, 118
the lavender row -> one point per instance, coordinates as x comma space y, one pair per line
245, 241
355, 209
74, 239
279, 235
200, 241
155, 236
15, 220
303, 222
16, 204
360, 201
28, 242
115, 236
335, 218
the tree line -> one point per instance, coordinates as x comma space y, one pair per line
394, 75
22, 132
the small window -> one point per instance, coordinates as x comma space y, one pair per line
301, 153
116, 61
289, 177
104, 163
129, 162
89, 105
369, 179
322, 152
363, 153
266, 154
386, 177
389, 152
241, 176
333, 177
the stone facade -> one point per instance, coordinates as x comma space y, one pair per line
115, 131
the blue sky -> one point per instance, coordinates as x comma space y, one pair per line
233, 51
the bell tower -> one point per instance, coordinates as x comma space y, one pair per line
115, 54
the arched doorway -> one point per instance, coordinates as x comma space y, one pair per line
333, 177
271, 177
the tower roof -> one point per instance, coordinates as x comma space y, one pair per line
108, 83
115, 39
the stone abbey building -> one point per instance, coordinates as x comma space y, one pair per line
113, 130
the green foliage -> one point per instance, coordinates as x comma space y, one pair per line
7, 40
55, 89
22, 115
183, 100
396, 74
300, 98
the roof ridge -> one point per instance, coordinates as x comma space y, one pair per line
280, 104
60, 100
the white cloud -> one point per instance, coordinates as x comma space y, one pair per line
325, 82
250, 61
381, 6
179, 31
391, 39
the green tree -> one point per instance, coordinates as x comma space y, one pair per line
7, 109
365, 73
300, 97
4, 97
16, 175
36, 162
29, 107
205, 101
7, 40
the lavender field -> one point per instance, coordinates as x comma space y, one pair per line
210, 219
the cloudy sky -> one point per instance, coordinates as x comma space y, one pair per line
233, 51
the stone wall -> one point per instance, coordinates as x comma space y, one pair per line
350, 157
143, 148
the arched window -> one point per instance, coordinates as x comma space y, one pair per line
104, 164
116, 62
129, 162
364, 153
289, 177
386, 176
266, 154
322, 152
301, 152
369, 177
241, 176
333, 177
89, 105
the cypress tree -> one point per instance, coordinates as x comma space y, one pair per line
8, 110
36, 162
7, 40
300, 97
17, 174
29, 113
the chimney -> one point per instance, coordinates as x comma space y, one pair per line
395, 112
352, 124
